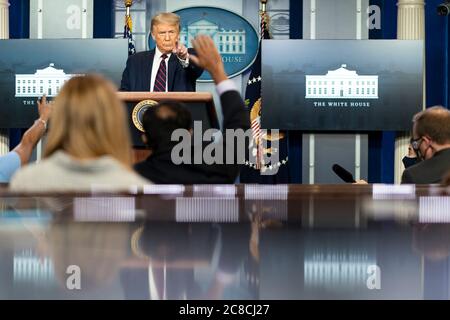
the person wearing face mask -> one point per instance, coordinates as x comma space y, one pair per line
411, 158
431, 142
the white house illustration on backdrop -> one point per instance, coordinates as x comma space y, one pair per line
227, 41
44, 81
341, 84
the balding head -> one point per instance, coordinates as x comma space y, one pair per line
433, 123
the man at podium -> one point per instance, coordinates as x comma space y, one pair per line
165, 68
163, 166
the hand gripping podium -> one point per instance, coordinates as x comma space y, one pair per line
201, 105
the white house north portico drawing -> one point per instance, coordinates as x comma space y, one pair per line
44, 81
227, 41
341, 84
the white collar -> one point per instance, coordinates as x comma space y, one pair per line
158, 54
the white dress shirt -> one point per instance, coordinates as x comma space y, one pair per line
224, 86
157, 61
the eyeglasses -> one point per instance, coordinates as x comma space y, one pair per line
415, 143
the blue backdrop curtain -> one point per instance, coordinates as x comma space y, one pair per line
295, 137
382, 144
19, 19
104, 19
19, 28
437, 50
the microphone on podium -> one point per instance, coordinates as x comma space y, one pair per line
343, 174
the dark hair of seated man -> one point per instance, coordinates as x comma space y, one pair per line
161, 120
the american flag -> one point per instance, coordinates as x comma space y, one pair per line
253, 95
256, 133
256, 128
255, 166
127, 34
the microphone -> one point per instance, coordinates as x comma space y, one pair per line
343, 174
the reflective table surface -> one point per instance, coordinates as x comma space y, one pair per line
228, 242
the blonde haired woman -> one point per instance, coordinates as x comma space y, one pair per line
88, 145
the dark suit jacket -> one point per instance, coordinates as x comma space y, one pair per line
160, 169
137, 74
429, 171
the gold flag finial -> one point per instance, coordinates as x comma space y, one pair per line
263, 5
128, 4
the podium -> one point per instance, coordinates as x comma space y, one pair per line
200, 104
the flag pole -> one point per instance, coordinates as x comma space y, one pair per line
263, 16
128, 4
127, 33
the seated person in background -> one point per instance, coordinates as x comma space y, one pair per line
411, 158
88, 143
160, 121
21, 154
431, 141
408, 161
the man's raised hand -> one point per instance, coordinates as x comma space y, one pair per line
180, 50
208, 57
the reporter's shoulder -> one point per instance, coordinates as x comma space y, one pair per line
406, 176
25, 176
415, 169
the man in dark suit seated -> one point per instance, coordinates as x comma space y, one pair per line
431, 141
165, 68
161, 121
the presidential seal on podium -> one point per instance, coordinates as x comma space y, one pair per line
138, 112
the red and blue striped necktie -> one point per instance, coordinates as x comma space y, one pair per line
161, 76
